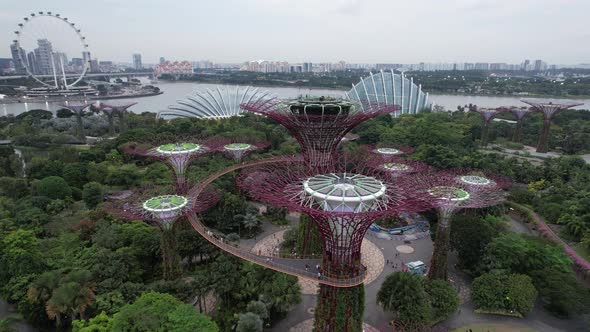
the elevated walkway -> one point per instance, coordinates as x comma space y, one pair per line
293, 266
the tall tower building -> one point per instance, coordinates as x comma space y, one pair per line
137, 61
44, 56
19, 57
526, 65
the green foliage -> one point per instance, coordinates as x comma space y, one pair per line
444, 299
160, 312
14, 188
403, 294
501, 291
54, 187
349, 303
249, 322
470, 234
99, 323
92, 194
308, 239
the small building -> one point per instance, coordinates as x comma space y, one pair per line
416, 267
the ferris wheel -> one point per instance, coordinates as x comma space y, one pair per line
45, 41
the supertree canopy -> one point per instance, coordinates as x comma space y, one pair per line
176, 156
397, 166
163, 211
120, 109
78, 109
549, 110
449, 192
343, 201
237, 149
389, 151
318, 124
519, 113
488, 115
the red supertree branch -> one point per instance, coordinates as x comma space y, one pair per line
135, 206
397, 166
389, 151
318, 133
238, 148
179, 160
549, 108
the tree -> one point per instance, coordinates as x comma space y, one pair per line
160, 312
403, 294
443, 298
249, 322
7, 323
54, 187
507, 292
92, 194
100, 323
258, 308
13, 187
470, 235
20, 255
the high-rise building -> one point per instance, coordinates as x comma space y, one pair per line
44, 56
137, 61
86, 57
540, 65
526, 65
162, 60
482, 66
307, 67
94, 67
19, 57
32, 61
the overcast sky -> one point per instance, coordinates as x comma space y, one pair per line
357, 31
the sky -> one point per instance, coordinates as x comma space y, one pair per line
356, 31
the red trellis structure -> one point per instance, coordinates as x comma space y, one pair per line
318, 124
163, 211
389, 151
488, 115
177, 156
343, 201
120, 109
398, 166
78, 109
519, 113
448, 192
549, 110
238, 148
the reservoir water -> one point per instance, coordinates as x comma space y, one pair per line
173, 91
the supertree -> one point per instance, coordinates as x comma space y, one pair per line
549, 110
237, 148
519, 113
318, 124
78, 109
488, 115
398, 166
449, 192
343, 201
120, 110
163, 211
176, 156
389, 151
110, 113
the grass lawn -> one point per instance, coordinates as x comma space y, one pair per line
494, 328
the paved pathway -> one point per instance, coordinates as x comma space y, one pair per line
307, 326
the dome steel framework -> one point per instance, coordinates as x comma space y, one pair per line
221, 102
386, 87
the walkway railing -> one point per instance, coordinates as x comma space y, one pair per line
303, 268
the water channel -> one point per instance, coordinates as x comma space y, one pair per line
174, 91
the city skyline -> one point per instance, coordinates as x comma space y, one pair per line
376, 31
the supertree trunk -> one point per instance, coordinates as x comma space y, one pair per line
170, 260
339, 309
439, 262
544, 138
111, 125
80, 127
309, 240
517, 137
122, 122
484, 133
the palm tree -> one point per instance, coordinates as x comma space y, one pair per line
250, 222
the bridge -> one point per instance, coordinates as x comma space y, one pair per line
293, 266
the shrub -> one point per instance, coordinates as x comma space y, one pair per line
54, 187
